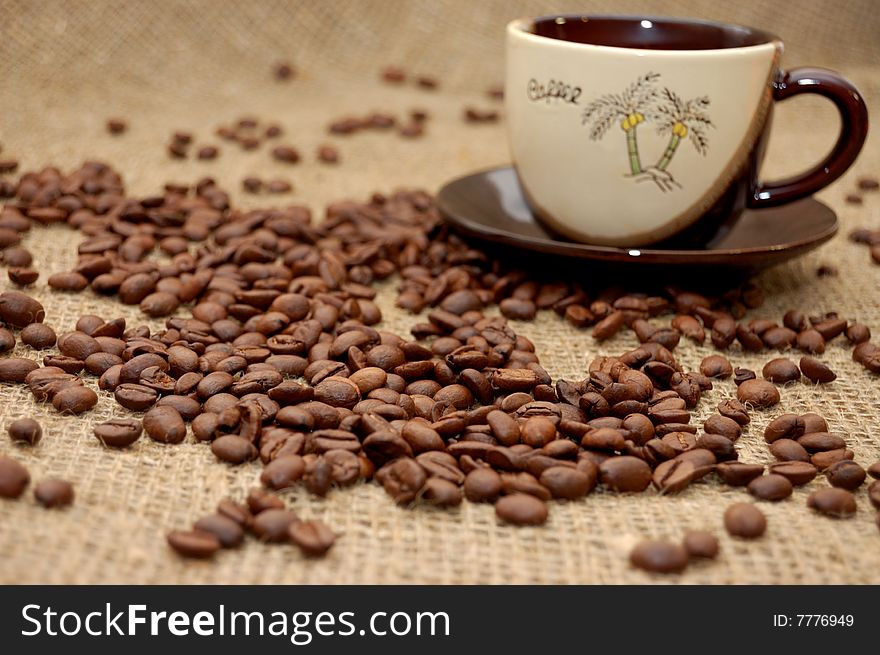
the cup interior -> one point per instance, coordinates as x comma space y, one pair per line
648, 33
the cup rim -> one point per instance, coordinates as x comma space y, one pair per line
522, 28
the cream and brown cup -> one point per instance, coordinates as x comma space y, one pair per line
625, 131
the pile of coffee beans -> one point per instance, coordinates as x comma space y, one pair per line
271, 351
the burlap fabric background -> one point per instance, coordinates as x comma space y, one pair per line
67, 66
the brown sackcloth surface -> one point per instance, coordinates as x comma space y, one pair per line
67, 66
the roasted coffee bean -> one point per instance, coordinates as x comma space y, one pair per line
874, 470
788, 450
745, 521
810, 341
738, 474
568, 483
699, 543
770, 487
283, 472
328, 154
834, 502
735, 410
318, 476
23, 277
440, 493
798, 473
822, 460
716, 366
53, 492
230, 448
314, 538
845, 474
858, 333
659, 557
74, 400
345, 466
821, 441
19, 310
227, 531
116, 125
816, 371
625, 473
726, 427
38, 336
402, 479
781, 370
194, 544
521, 509
118, 432
7, 339
741, 375
608, 326
70, 281
758, 393
16, 369
14, 478
784, 426
272, 525
482, 485
814, 423
135, 397
165, 425
674, 475
25, 430
259, 500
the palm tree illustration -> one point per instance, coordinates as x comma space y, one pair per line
681, 119
629, 107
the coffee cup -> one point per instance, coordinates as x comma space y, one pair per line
627, 131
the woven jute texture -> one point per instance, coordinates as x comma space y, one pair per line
67, 66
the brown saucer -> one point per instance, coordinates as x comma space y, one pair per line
489, 205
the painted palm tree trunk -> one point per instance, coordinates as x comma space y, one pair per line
671, 147
632, 147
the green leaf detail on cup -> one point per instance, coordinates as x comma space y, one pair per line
641, 102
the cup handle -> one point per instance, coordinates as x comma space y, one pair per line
853, 131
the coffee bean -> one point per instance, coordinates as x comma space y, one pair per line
608, 326
314, 538
699, 543
781, 371
625, 473
229, 448
726, 427
165, 425
833, 502
788, 450
521, 509
286, 154
74, 400
68, 281
78, 345
19, 310
259, 500
53, 492
7, 340
116, 125
857, 333
16, 369
482, 485
758, 393
798, 473
14, 478
845, 474
440, 493
811, 341
659, 557
207, 152
874, 470
784, 426
745, 520
822, 460
518, 309
735, 410
770, 487
821, 441
816, 371
118, 432
135, 397
272, 525
738, 474
283, 472
868, 183
568, 483
814, 423
26, 430
227, 531
194, 544
38, 336
716, 366
402, 479
874, 493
